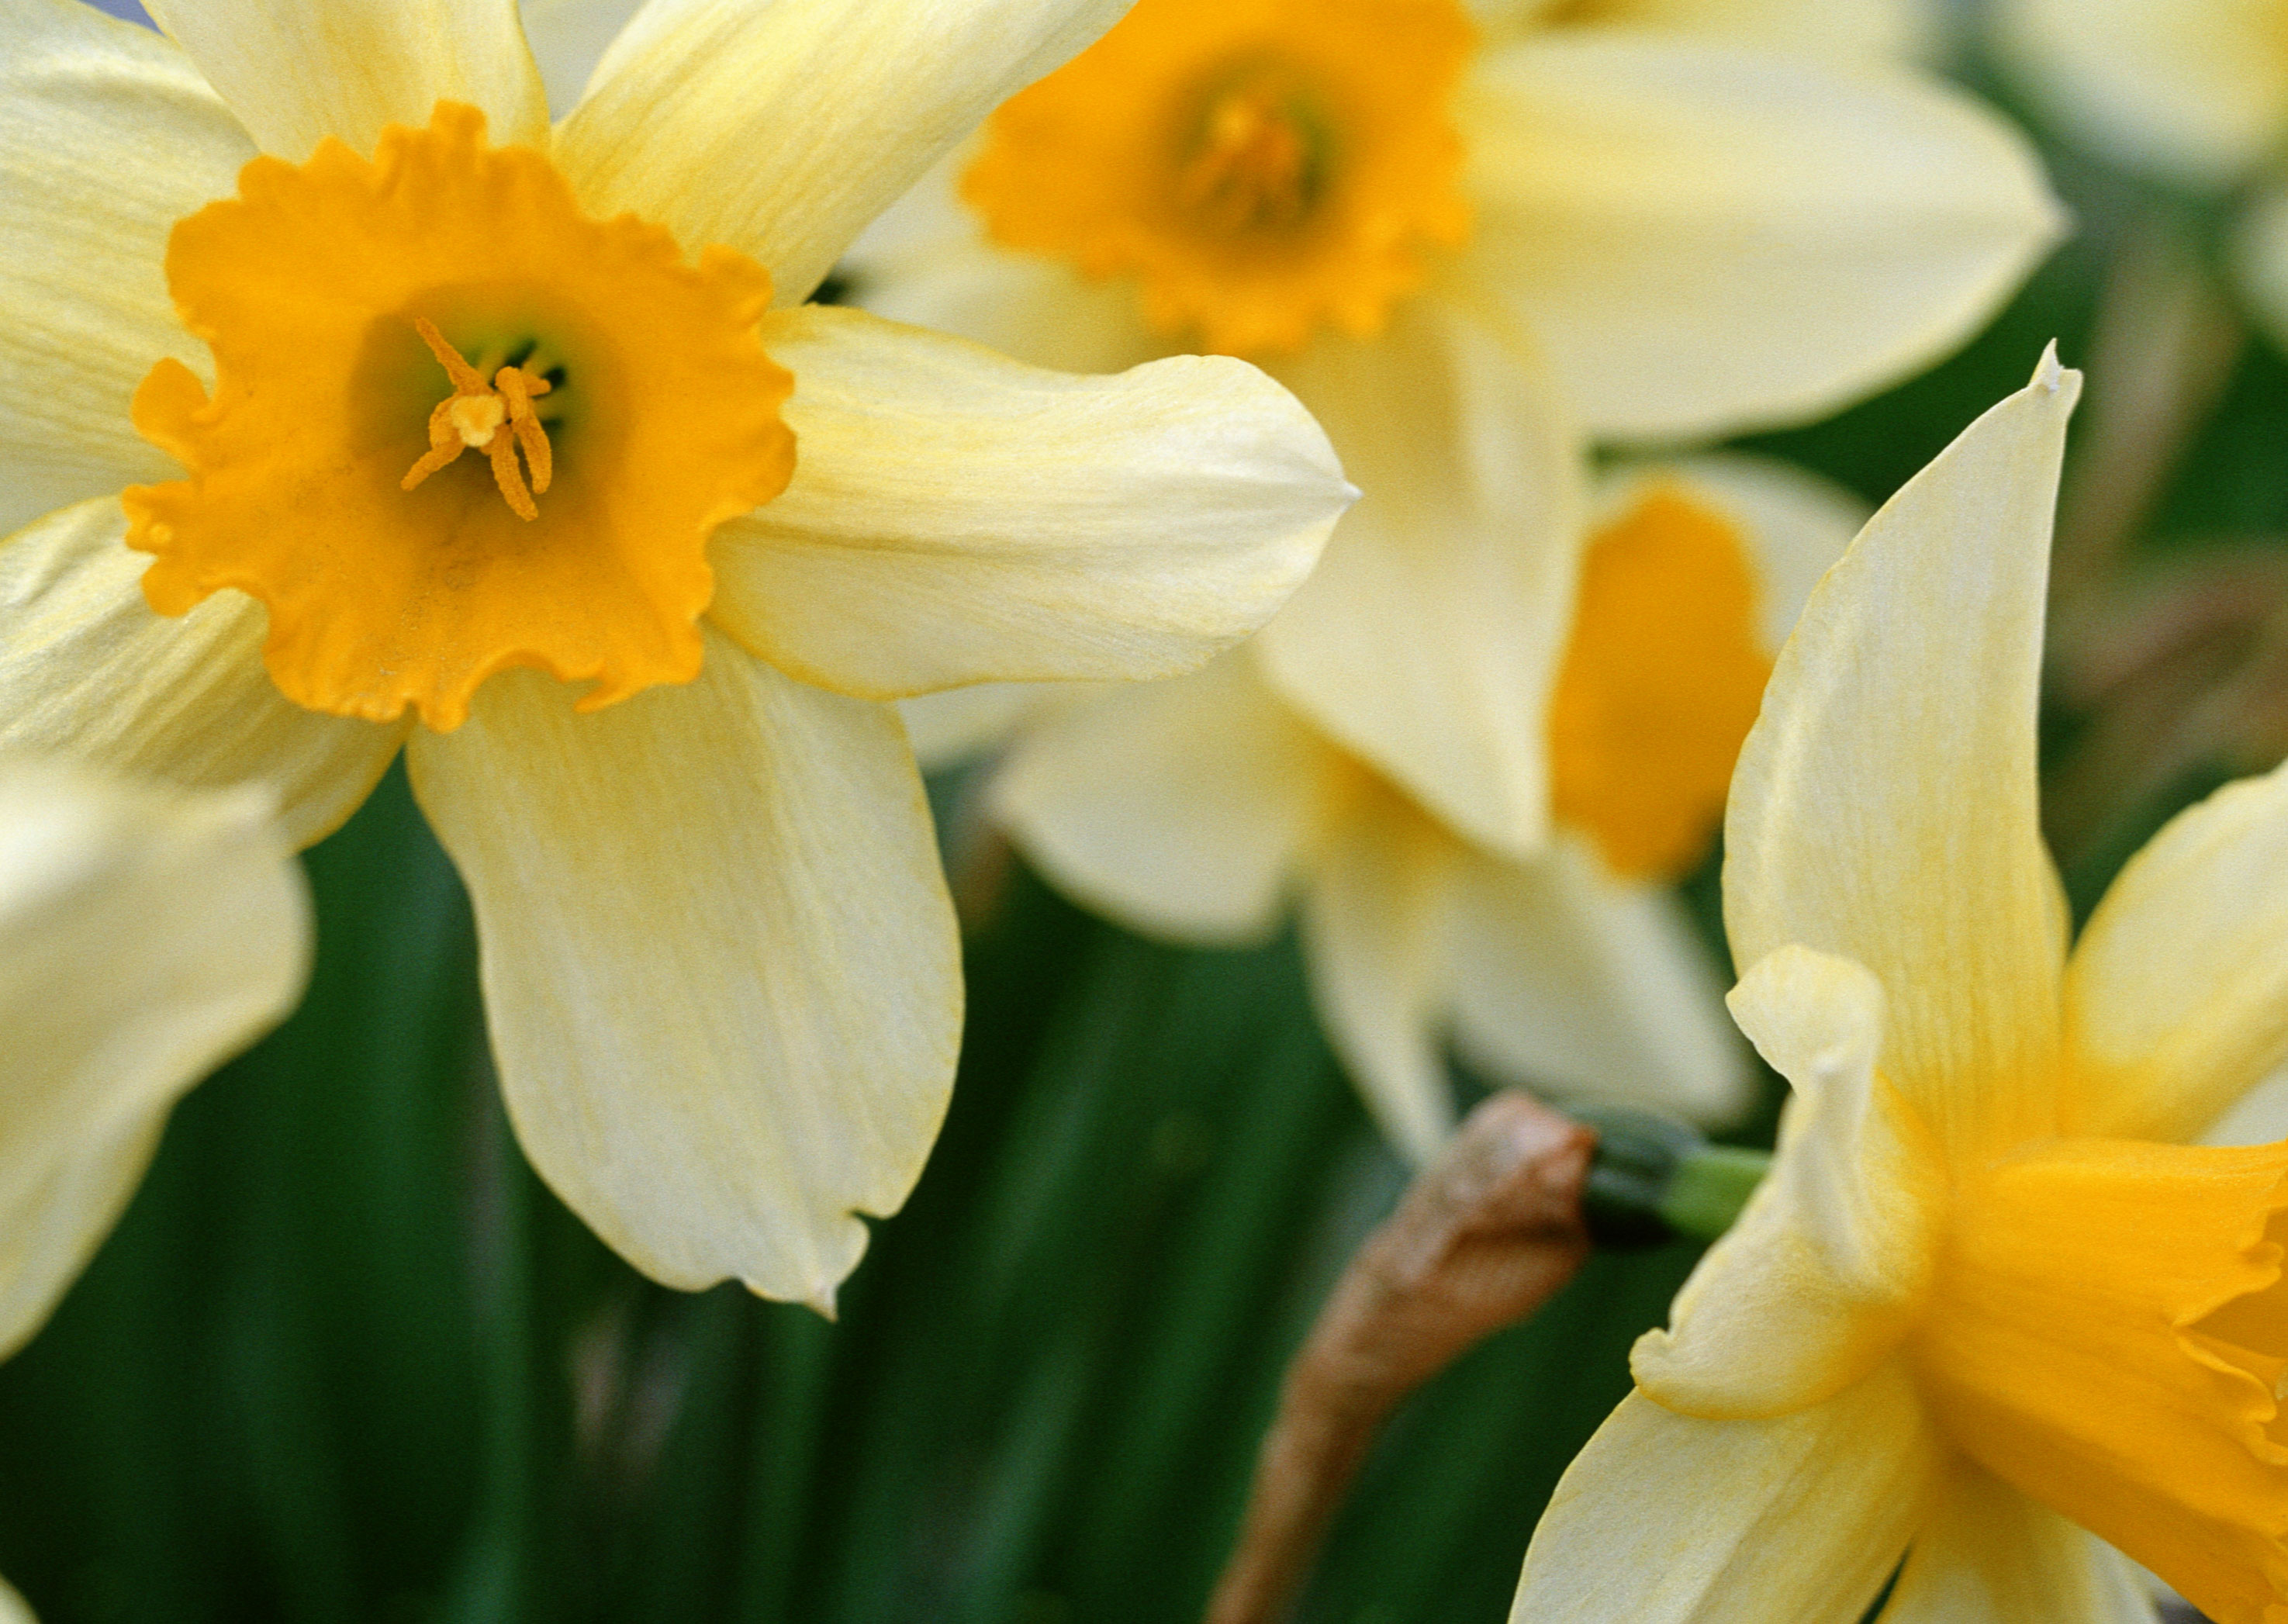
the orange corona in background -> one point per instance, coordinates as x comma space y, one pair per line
1264, 169
324, 476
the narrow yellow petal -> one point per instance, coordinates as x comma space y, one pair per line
1884, 808
1987, 1554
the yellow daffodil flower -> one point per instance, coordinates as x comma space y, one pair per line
1468, 255
146, 934
436, 409
2194, 92
1196, 809
1988, 1304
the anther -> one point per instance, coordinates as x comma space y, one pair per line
470, 419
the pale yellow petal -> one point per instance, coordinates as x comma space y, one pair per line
2259, 1117
1429, 638
2177, 992
1707, 239
88, 670
1987, 1554
145, 935
1796, 524
782, 129
298, 71
1664, 1520
1839, 30
1819, 1279
568, 37
957, 517
12, 1610
108, 137
1885, 805
2195, 90
1179, 809
720, 965
1584, 986
1374, 909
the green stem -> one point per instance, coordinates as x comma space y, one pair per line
1655, 1180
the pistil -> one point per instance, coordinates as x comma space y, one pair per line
473, 416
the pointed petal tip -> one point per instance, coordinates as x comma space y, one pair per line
2052, 378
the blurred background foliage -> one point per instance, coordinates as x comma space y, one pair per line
347, 1360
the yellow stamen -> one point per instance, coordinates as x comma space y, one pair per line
470, 419
1251, 167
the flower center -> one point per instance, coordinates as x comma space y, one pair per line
1264, 168
2107, 1331
1662, 679
584, 358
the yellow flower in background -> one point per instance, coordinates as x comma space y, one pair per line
1987, 1293
1468, 258
1199, 808
2193, 93
147, 935
436, 409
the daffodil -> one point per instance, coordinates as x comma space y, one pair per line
514, 447
1470, 253
2192, 92
1196, 809
146, 933
1988, 1304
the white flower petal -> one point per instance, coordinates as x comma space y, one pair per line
1428, 640
949, 727
957, 517
2197, 90
1885, 805
782, 129
1587, 987
1178, 808
297, 71
145, 935
108, 137
720, 965
1707, 239
1838, 30
1664, 1519
1373, 909
1987, 1554
1816, 1284
2177, 992
88, 670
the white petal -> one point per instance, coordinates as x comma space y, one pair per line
782, 129
297, 71
108, 137
1374, 909
1664, 1520
1885, 805
1178, 808
1428, 640
88, 670
2195, 89
1817, 1281
1838, 30
957, 518
1796, 524
145, 935
949, 727
720, 965
12, 1610
2177, 992
1707, 239
568, 37
1987, 1554
1584, 986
